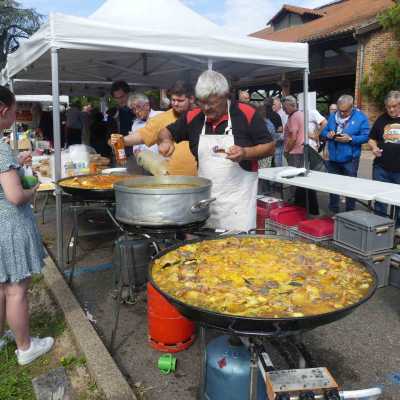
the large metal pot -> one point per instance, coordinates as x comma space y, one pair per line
144, 206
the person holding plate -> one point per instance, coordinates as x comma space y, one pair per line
227, 139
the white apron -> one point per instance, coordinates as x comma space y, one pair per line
234, 188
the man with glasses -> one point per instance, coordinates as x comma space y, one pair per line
384, 140
346, 131
227, 139
181, 161
140, 105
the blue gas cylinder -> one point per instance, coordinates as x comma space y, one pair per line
228, 371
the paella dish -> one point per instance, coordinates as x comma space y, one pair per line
262, 277
93, 182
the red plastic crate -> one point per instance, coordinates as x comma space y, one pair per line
262, 215
319, 227
270, 203
289, 215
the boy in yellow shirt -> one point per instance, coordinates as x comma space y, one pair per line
182, 161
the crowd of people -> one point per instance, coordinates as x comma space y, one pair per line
205, 132
337, 137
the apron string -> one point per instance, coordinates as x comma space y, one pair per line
228, 129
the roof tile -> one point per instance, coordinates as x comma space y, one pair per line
338, 17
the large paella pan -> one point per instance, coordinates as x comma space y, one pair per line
91, 187
259, 284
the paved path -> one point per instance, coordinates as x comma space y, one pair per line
362, 350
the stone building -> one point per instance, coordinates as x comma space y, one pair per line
345, 39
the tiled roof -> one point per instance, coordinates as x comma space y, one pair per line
339, 17
296, 10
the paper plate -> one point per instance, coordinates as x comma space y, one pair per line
109, 171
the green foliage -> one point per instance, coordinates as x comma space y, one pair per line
385, 76
46, 324
15, 23
16, 381
390, 20
69, 362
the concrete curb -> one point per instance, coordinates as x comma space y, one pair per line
101, 365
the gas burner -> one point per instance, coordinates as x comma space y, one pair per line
165, 232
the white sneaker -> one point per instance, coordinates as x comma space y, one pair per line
6, 338
37, 348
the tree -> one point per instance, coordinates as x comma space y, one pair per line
16, 23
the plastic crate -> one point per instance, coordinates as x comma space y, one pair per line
289, 215
394, 275
317, 228
278, 229
299, 235
262, 215
364, 232
270, 203
379, 262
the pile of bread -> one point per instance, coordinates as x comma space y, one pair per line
100, 161
43, 168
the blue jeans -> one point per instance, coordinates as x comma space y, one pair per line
349, 168
278, 156
383, 175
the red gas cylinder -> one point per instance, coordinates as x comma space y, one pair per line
168, 330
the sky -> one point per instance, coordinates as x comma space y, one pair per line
244, 16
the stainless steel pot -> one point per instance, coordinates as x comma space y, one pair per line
143, 206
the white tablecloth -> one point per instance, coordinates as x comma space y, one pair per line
392, 198
358, 188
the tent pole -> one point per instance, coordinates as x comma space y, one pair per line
57, 153
14, 141
305, 102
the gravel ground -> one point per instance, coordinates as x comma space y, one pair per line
362, 350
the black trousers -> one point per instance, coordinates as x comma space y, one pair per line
74, 136
297, 161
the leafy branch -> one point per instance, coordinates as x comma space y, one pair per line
385, 75
16, 23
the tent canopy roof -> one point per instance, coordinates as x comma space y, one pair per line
148, 52
154, 14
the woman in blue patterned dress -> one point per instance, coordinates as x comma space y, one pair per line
21, 249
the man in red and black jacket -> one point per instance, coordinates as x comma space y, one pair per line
227, 139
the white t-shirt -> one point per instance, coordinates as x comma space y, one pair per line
139, 123
284, 117
314, 119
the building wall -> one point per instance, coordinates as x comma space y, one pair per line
376, 46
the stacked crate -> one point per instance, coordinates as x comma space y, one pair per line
368, 237
280, 217
314, 230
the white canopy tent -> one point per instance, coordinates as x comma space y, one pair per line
148, 43
39, 98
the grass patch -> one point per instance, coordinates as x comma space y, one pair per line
69, 362
36, 279
15, 380
46, 324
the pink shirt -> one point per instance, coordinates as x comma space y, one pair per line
295, 129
